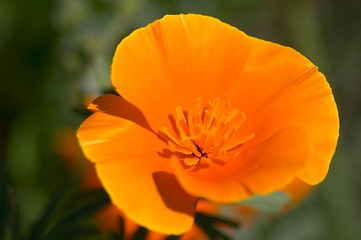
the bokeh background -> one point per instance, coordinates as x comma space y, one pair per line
55, 56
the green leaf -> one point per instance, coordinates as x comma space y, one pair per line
42, 224
73, 231
79, 207
3, 204
13, 214
208, 222
172, 237
86, 204
140, 234
271, 204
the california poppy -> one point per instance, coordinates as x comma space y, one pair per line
109, 217
206, 112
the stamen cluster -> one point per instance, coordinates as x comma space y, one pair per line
206, 133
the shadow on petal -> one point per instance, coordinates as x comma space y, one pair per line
173, 195
119, 107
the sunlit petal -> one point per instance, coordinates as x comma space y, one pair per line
137, 180
177, 59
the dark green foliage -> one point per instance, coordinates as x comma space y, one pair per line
54, 53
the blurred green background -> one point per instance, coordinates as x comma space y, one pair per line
56, 52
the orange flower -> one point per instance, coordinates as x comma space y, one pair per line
206, 112
297, 191
108, 218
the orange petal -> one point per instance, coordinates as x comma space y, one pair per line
207, 207
177, 59
195, 233
119, 107
275, 162
298, 190
261, 169
280, 88
137, 179
275, 86
108, 219
213, 183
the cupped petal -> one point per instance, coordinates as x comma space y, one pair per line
137, 179
262, 169
280, 88
277, 161
177, 59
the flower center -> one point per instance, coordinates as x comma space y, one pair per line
206, 134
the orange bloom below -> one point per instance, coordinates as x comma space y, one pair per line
297, 191
206, 112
